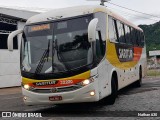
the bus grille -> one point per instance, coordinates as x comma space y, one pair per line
58, 89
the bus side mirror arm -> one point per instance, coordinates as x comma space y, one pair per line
92, 30
10, 38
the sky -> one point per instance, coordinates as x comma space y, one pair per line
150, 7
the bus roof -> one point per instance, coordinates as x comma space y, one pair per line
75, 11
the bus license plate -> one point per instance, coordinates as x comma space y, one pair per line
55, 98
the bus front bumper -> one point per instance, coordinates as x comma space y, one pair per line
80, 95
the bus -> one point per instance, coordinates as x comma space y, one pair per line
79, 54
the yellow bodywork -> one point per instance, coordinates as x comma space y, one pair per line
82, 76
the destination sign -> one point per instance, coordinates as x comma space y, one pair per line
40, 27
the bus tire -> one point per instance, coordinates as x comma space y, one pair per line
113, 96
139, 82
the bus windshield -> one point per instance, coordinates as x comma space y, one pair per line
56, 47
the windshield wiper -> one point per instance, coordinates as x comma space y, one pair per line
43, 59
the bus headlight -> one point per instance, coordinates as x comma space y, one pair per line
87, 81
26, 86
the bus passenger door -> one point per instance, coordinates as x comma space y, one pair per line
102, 65
100, 45
103, 79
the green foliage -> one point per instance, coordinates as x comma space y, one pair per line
153, 72
152, 36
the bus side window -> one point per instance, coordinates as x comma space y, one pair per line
121, 32
116, 28
127, 35
112, 30
131, 35
134, 37
124, 32
139, 38
142, 39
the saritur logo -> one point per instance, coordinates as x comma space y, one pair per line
125, 53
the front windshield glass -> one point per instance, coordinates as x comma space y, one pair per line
56, 47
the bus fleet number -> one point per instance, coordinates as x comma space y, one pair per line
64, 82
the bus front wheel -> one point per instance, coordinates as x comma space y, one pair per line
139, 82
113, 96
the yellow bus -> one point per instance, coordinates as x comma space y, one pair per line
79, 54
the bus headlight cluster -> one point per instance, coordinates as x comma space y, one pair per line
87, 81
27, 87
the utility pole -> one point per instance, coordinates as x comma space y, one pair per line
102, 1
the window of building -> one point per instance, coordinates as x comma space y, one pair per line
5, 28
3, 42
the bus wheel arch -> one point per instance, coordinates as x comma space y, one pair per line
138, 83
140, 75
114, 88
115, 76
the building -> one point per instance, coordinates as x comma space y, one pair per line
10, 20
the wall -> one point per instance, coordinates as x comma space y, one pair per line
10, 65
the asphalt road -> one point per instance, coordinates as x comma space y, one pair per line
146, 98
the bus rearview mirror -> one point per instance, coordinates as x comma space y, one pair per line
10, 38
92, 30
